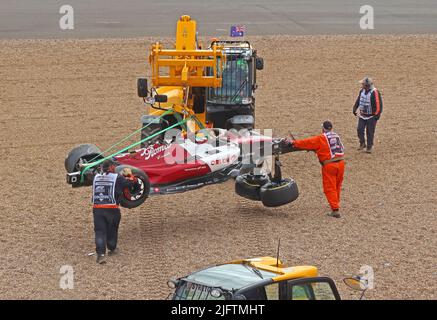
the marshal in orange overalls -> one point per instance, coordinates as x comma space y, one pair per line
330, 152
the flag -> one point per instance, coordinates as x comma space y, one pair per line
238, 31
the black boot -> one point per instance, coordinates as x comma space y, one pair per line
101, 259
334, 214
112, 252
362, 146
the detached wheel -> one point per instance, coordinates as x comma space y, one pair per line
275, 195
248, 185
135, 196
80, 154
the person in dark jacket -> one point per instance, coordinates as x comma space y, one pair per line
108, 190
368, 108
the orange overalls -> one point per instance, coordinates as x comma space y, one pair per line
330, 152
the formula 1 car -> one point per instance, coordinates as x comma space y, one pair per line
177, 161
261, 278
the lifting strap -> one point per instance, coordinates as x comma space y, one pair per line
128, 136
95, 163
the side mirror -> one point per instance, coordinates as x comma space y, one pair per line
160, 98
259, 63
357, 284
142, 88
173, 283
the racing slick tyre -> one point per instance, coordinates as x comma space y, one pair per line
248, 185
135, 196
81, 153
274, 195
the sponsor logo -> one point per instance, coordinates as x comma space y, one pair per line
222, 161
151, 151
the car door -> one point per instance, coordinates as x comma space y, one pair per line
317, 288
266, 290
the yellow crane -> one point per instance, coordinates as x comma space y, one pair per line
215, 85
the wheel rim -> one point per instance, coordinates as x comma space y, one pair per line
279, 184
137, 193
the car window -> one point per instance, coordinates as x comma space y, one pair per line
301, 292
272, 291
323, 291
235, 82
312, 291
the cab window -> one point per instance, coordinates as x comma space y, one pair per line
262, 292
272, 291
323, 291
319, 288
301, 292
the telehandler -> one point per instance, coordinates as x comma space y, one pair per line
216, 84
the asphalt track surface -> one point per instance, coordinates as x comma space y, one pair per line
138, 18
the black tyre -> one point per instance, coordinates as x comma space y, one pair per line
274, 195
248, 185
81, 153
135, 196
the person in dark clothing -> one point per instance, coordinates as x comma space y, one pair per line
108, 190
368, 108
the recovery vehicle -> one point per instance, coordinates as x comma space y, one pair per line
261, 278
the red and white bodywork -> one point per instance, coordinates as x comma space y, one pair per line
169, 163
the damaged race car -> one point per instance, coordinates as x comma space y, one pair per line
179, 150
171, 159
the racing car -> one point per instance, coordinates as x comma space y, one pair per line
177, 161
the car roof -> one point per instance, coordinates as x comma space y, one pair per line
228, 276
238, 274
276, 266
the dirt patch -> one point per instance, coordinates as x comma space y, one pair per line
56, 94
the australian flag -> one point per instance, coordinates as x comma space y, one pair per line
237, 31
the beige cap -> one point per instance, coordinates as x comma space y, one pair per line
368, 81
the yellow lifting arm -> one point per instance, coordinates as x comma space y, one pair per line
186, 65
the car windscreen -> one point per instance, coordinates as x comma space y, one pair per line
236, 84
229, 276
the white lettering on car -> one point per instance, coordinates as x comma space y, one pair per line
229, 159
151, 151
